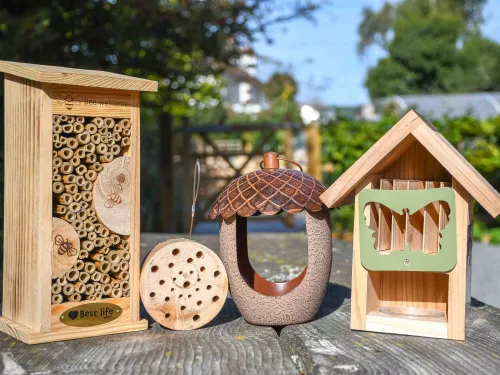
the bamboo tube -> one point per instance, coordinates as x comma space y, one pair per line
109, 122
75, 207
83, 254
57, 299
87, 186
124, 255
97, 287
55, 170
75, 161
57, 162
72, 143
91, 175
58, 144
79, 265
81, 152
82, 215
91, 128
103, 131
124, 265
82, 233
67, 128
69, 179
71, 188
80, 119
104, 138
55, 138
57, 129
60, 210
72, 275
75, 297
108, 242
107, 158
65, 198
58, 187
86, 196
98, 121
63, 118
97, 257
63, 140
90, 159
98, 296
77, 224
125, 123
115, 268
117, 137
115, 283
66, 153
78, 128
80, 287
104, 250
109, 135
88, 245
124, 245
115, 238
126, 133
80, 181
84, 277
92, 219
125, 142
56, 119
68, 289
81, 170
106, 290
96, 167
92, 236
96, 276
125, 285
89, 289
115, 150
122, 275
89, 268
91, 212
56, 288
101, 149
56, 177
83, 138
118, 128
126, 293
85, 205
104, 266
70, 119
66, 168
69, 217
96, 139
99, 242
116, 293
91, 298
61, 281
77, 197
105, 279
104, 232
113, 257
88, 226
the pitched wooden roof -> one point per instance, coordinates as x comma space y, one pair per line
387, 150
79, 77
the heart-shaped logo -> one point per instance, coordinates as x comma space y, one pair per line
73, 315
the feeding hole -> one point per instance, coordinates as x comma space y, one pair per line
176, 252
183, 308
186, 284
152, 294
209, 287
162, 282
190, 260
167, 299
202, 269
170, 265
167, 315
199, 303
199, 254
216, 273
215, 298
154, 268
196, 318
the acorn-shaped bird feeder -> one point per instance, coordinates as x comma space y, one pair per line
269, 192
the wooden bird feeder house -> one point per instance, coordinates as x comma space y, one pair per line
270, 191
413, 195
71, 237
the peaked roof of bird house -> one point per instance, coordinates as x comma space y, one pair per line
393, 144
79, 77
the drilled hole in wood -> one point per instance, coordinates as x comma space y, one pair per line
154, 268
170, 265
167, 315
202, 269
216, 273
167, 299
152, 294
180, 272
176, 252
174, 278
197, 289
191, 272
196, 318
199, 303
209, 287
190, 260
162, 282
215, 298
180, 295
183, 308
199, 254
172, 289
189, 296
198, 279
186, 284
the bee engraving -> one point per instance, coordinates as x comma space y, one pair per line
69, 100
65, 246
114, 197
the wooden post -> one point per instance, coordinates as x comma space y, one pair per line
314, 150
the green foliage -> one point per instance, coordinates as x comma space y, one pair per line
344, 141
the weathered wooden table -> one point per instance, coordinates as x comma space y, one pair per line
229, 345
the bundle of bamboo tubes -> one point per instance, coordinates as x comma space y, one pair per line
81, 149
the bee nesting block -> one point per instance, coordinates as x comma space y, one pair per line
183, 284
54, 132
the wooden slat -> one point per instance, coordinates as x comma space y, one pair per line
431, 223
398, 223
385, 220
78, 77
28, 204
415, 222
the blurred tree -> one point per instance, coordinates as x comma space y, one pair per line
433, 46
183, 44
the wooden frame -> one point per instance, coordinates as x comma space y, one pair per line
33, 95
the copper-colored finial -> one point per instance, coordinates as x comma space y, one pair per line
271, 160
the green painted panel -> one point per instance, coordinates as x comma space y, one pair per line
407, 260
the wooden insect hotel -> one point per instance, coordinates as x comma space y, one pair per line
413, 196
270, 191
71, 238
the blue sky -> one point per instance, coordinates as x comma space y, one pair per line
322, 55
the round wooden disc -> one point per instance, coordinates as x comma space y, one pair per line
65, 247
112, 195
183, 284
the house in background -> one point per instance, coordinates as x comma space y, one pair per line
243, 92
481, 105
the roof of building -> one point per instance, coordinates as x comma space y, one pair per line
79, 77
393, 144
482, 105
